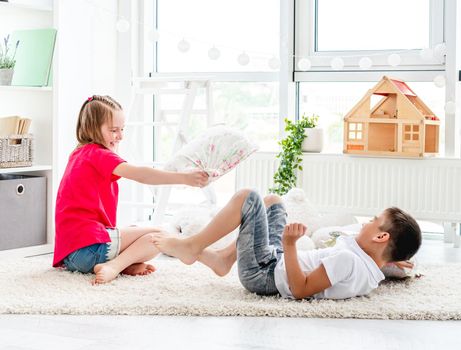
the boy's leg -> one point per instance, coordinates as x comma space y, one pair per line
140, 250
256, 258
220, 261
189, 249
277, 220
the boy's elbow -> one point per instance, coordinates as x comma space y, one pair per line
301, 293
297, 296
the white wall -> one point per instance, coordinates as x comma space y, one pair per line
85, 65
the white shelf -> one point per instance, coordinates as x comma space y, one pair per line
25, 88
27, 251
27, 169
25, 6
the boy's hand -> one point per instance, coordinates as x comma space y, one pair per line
197, 178
293, 232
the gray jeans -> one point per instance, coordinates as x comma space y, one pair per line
259, 244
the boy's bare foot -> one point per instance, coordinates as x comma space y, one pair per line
104, 273
220, 261
179, 248
139, 269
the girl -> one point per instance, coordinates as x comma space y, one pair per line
87, 239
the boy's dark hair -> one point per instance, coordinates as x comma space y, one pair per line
405, 235
95, 111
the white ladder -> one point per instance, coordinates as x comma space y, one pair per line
158, 86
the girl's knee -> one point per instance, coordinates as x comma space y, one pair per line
148, 238
272, 199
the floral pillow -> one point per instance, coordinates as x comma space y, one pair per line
216, 151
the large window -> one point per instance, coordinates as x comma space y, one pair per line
228, 28
360, 35
250, 107
372, 25
234, 43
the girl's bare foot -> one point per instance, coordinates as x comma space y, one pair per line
104, 273
139, 269
179, 248
220, 261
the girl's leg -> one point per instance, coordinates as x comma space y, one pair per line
128, 235
189, 249
136, 247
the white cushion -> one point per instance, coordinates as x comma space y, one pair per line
216, 151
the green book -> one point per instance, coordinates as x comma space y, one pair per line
33, 57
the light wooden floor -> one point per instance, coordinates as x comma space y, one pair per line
149, 332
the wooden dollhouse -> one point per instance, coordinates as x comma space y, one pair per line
399, 124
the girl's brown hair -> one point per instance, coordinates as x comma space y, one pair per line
96, 111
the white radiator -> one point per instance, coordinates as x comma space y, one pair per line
429, 189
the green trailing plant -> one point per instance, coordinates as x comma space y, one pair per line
7, 58
290, 154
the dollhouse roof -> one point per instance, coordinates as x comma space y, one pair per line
388, 87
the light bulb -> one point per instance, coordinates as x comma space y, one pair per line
243, 59
337, 63
394, 59
304, 64
153, 35
122, 25
439, 81
274, 63
365, 63
214, 53
183, 46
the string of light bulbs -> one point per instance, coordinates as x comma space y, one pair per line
303, 63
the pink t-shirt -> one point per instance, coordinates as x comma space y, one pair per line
87, 200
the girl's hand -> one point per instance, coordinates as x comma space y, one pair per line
292, 233
196, 178
404, 264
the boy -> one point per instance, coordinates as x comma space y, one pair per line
268, 262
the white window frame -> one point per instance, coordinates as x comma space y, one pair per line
414, 68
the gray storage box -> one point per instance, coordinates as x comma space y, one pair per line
22, 211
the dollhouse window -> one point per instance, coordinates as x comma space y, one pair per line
355, 131
411, 132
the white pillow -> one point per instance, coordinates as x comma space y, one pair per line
300, 209
216, 151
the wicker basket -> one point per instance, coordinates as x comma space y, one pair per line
16, 151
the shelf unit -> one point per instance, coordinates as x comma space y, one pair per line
29, 169
36, 103
26, 88
45, 6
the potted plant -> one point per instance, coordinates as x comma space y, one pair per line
7, 61
313, 142
290, 155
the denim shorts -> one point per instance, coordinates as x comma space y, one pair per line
85, 259
259, 244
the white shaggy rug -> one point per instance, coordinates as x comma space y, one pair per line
31, 286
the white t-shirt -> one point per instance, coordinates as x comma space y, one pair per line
351, 271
